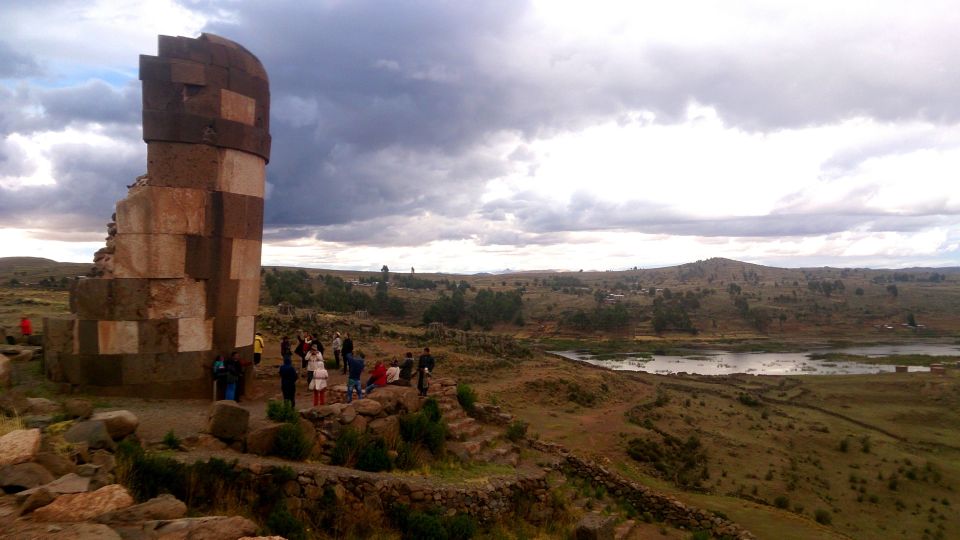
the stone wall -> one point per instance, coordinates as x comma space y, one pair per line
491, 343
643, 498
179, 279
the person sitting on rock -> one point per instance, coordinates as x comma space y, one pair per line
406, 370
355, 367
378, 377
393, 372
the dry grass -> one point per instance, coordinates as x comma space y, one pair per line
10, 423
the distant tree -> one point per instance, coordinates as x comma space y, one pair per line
911, 320
783, 319
892, 290
858, 291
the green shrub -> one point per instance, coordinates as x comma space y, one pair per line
292, 443
373, 456
460, 527
823, 516
844, 444
281, 411
781, 502
421, 526
346, 448
282, 523
407, 457
748, 400
171, 441
516, 431
466, 396
417, 428
431, 408
701, 535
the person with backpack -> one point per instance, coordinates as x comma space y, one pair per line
219, 375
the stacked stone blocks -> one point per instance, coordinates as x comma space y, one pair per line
179, 281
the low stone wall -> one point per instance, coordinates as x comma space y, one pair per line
491, 343
370, 495
643, 498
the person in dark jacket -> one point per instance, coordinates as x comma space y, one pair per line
406, 370
286, 352
288, 381
424, 370
353, 379
232, 377
347, 350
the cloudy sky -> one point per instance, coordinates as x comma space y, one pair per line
475, 136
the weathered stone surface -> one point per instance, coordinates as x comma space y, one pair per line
6, 372
240, 173
118, 337
39, 498
91, 432
347, 414
85, 506
194, 334
23, 476
387, 427
202, 528
55, 463
367, 407
150, 255
78, 408
228, 421
23, 530
19, 446
595, 527
69, 483
359, 423
260, 440
42, 406
165, 506
119, 424
162, 210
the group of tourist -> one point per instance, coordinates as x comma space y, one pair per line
228, 373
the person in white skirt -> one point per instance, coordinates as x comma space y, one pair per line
318, 383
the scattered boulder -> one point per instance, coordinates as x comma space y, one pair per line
359, 423
387, 427
39, 498
165, 506
260, 441
348, 414
42, 406
78, 408
202, 528
595, 527
55, 463
23, 476
308, 430
92, 432
66, 484
119, 423
228, 421
19, 446
65, 531
367, 407
85, 506
6, 372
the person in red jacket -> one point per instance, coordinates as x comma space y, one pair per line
26, 328
378, 377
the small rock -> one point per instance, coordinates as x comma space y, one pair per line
23, 476
78, 408
206, 528
92, 432
119, 423
87, 469
595, 527
348, 414
55, 463
367, 407
85, 506
42, 406
39, 498
19, 446
387, 427
163, 507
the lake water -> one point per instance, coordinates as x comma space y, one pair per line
716, 362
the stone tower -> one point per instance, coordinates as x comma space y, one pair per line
179, 279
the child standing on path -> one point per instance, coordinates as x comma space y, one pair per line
319, 385
314, 359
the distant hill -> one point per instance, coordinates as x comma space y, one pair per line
31, 270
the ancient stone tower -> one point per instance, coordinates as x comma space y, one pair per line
179, 279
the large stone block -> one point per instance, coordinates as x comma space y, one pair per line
88, 337
248, 296
184, 48
245, 330
157, 336
237, 107
59, 335
162, 210
195, 334
241, 173
89, 298
245, 259
159, 369
129, 298
183, 165
102, 369
235, 216
187, 72
150, 255
118, 337
177, 298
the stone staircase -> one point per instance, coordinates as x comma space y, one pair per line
467, 438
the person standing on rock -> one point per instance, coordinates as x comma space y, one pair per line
314, 359
347, 350
318, 384
288, 382
257, 349
424, 370
337, 345
355, 368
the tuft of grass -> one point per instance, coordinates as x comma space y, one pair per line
466, 396
822, 516
281, 411
171, 441
516, 431
10, 423
291, 442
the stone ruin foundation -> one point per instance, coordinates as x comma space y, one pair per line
179, 279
